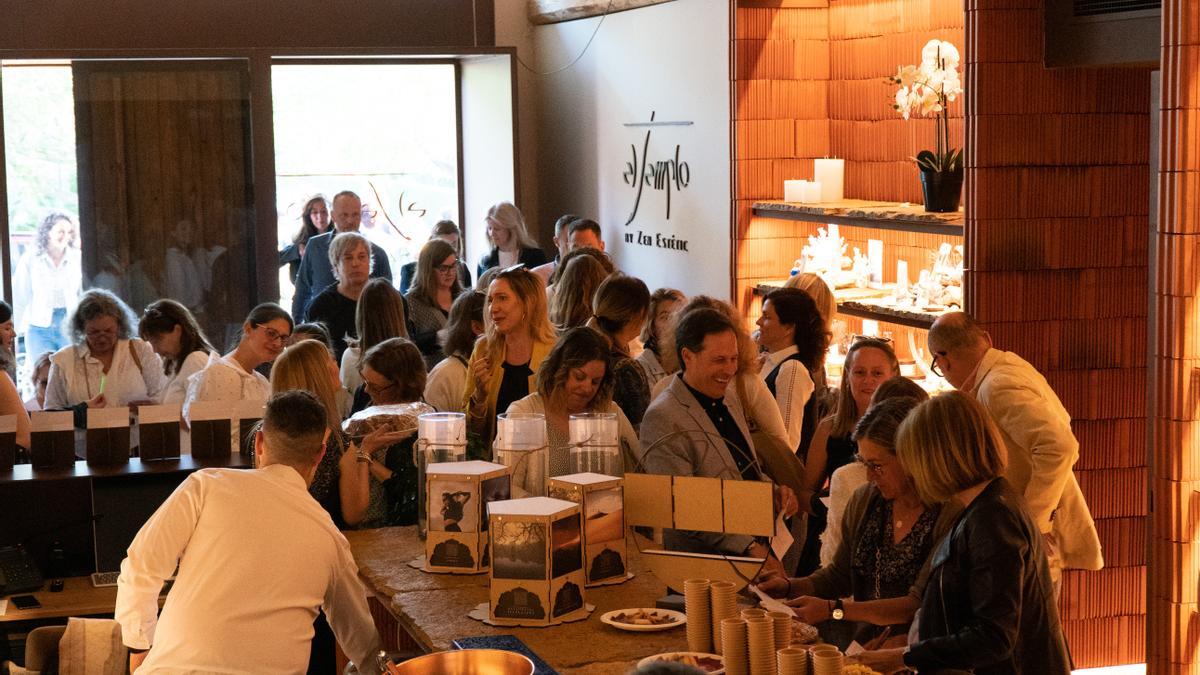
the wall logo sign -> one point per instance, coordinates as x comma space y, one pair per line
661, 175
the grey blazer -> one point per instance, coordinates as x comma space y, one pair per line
695, 449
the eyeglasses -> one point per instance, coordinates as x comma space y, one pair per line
933, 363
274, 335
874, 468
447, 268
370, 386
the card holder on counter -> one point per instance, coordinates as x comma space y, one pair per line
158, 432
52, 440
107, 436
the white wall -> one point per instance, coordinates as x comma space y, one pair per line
670, 59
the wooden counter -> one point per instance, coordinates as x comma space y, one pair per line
432, 608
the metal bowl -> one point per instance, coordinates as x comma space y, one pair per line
466, 662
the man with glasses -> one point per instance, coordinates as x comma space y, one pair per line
316, 271
1037, 433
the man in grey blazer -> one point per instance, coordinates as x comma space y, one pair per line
697, 427
316, 272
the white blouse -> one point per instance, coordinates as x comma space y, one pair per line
793, 387
445, 385
75, 375
351, 379
177, 384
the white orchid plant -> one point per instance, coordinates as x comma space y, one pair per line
927, 90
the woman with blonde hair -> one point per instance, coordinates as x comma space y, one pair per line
510, 240
619, 311
379, 315
571, 306
431, 296
517, 337
656, 362
869, 363
989, 605
308, 365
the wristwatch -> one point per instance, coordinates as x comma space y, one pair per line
838, 611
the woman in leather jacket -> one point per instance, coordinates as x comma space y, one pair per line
989, 604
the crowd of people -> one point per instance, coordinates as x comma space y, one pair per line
962, 506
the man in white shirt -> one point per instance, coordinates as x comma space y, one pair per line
257, 557
1036, 430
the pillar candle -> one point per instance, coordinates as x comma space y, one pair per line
829, 173
875, 260
793, 190
810, 192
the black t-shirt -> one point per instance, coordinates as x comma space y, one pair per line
336, 311
514, 385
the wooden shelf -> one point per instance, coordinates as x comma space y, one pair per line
909, 318
861, 213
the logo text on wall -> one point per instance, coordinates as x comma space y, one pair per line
661, 175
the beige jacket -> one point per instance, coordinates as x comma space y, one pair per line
1041, 451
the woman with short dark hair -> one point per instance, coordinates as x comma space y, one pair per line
382, 490
794, 336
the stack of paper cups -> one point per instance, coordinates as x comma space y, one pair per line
724, 606
826, 660
793, 661
698, 607
733, 640
760, 641
782, 623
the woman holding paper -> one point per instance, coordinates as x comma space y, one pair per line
104, 364
882, 563
178, 339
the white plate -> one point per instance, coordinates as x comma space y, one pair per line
669, 656
679, 620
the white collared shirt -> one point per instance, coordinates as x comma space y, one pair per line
257, 557
75, 375
793, 387
176, 389
40, 287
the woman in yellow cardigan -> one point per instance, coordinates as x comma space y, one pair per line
517, 337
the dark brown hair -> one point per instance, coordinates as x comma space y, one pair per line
161, 317
399, 360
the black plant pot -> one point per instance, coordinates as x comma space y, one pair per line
942, 190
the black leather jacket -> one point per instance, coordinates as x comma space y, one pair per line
989, 606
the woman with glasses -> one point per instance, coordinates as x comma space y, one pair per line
882, 563
989, 604
104, 364
517, 338
869, 363
510, 241
380, 315
380, 489
431, 296
233, 377
177, 338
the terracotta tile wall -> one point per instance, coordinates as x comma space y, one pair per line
1174, 631
1057, 231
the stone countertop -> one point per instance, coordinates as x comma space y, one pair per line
433, 608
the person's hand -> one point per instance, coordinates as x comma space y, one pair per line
98, 402
810, 610
773, 584
786, 501
379, 439
135, 660
483, 373
886, 661
348, 463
